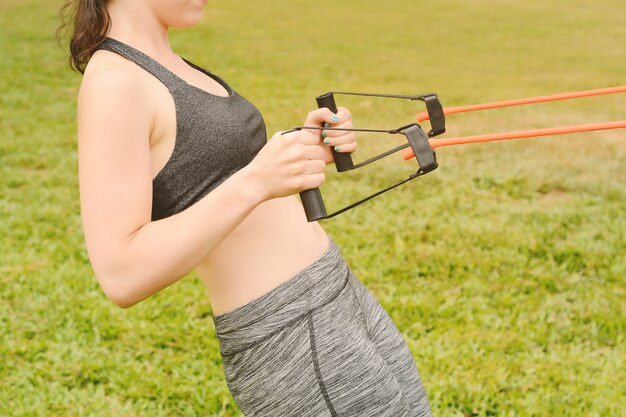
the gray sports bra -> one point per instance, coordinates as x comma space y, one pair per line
215, 136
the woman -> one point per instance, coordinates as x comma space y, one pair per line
176, 174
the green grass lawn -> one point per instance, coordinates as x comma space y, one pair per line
504, 269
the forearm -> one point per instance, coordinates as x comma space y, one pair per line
161, 252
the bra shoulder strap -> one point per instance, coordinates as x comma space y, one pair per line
171, 80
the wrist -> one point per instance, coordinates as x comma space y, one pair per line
251, 186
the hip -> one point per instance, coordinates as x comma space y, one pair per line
319, 345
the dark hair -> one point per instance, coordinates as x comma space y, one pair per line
90, 21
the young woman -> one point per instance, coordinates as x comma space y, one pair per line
176, 174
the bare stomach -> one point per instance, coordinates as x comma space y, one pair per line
269, 247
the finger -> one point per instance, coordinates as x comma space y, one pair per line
344, 124
320, 116
344, 114
313, 181
303, 136
346, 148
336, 133
340, 140
315, 166
309, 137
314, 152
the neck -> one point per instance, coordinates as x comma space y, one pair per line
135, 24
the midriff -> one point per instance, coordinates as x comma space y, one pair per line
269, 247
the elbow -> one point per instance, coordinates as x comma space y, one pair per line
122, 301
122, 295
124, 284
120, 279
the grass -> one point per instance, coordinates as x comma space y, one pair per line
504, 269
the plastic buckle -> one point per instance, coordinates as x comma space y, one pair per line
436, 115
424, 153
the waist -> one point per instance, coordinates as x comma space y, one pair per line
273, 244
314, 286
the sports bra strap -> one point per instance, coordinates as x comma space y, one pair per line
171, 80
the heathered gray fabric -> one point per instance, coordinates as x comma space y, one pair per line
319, 345
215, 136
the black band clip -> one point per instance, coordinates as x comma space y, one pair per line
424, 153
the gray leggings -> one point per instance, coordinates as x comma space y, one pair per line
319, 345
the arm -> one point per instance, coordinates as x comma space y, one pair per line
133, 257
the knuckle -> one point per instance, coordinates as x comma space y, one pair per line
288, 139
312, 114
296, 145
312, 136
297, 168
293, 154
305, 136
297, 182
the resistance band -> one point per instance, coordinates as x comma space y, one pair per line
423, 116
421, 145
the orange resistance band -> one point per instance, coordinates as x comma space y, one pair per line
423, 116
435, 143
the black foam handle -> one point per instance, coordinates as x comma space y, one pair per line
312, 201
343, 161
313, 204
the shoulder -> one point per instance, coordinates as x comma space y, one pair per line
109, 73
111, 85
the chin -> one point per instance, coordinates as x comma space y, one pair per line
182, 15
184, 22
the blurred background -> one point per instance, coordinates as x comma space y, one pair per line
504, 269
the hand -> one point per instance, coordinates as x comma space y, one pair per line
289, 163
345, 140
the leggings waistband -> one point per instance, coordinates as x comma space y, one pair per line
315, 285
